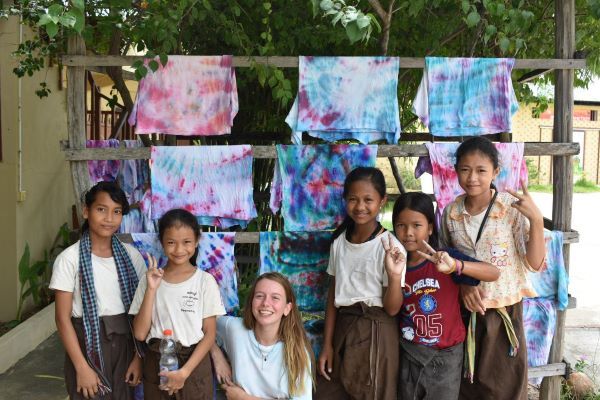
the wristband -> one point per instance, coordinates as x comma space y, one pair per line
462, 267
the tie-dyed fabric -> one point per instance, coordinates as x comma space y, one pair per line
132, 175
302, 257
441, 162
539, 321
347, 98
103, 170
552, 280
308, 183
208, 181
466, 96
190, 96
215, 256
314, 329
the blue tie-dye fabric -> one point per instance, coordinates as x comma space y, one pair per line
539, 322
347, 98
302, 257
466, 96
552, 280
215, 256
308, 183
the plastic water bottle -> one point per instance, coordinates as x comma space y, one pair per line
168, 356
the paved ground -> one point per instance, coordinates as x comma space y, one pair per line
39, 375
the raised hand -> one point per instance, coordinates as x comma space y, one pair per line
154, 275
395, 261
442, 260
525, 205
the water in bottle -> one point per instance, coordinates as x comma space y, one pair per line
168, 356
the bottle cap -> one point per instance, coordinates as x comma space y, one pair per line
167, 332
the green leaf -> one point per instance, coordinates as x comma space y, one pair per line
473, 19
326, 5
137, 63
490, 30
67, 19
79, 4
504, 43
44, 19
315, 7
153, 65
55, 10
353, 32
207, 5
466, 6
267, 6
415, 7
24, 265
374, 21
500, 9
363, 21
79, 19
163, 59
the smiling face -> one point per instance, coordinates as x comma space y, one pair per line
269, 304
179, 243
363, 202
104, 216
411, 228
475, 173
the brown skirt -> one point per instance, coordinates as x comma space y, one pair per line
497, 375
117, 348
365, 356
198, 386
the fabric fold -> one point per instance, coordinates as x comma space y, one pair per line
347, 98
189, 96
552, 280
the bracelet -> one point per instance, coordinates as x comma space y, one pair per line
462, 267
454, 268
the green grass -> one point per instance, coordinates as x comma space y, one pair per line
581, 186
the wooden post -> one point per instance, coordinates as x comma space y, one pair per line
76, 119
562, 179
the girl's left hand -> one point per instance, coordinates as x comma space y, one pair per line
175, 380
133, 376
395, 262
442, 260
234, 392
526, 206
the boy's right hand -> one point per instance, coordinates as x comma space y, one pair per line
326, 361
87, 382
472, 297
154, 274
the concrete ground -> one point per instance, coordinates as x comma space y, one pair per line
39, 375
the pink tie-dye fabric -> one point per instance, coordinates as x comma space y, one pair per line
190, 96
441, 161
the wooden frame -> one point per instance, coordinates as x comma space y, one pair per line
562, 149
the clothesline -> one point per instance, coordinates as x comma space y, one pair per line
401, 150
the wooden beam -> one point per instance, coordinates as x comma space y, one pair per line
292, 62
402, 150
556, 369
562, 179
531, 75
76, 120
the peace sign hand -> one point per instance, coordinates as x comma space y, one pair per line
525, 204
442, 260
395, 261
154, 275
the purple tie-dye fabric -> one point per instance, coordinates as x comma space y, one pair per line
303, 258
539, 321
347, 98
466, 96
552, 280
208, 181
308, 183
190, 96
441, 162
215, 256
103, 170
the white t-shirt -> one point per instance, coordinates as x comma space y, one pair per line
257, 376
181, 307
359, 270
65, 277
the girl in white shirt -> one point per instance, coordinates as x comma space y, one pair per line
268, 349
95, 280
184, 299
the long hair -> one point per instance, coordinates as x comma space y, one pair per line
421, 203
298, 355
179, 217
369, 174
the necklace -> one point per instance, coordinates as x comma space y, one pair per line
263, 351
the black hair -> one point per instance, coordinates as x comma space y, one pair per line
421, 203
113, 190
478, 144
179, 217
370, 174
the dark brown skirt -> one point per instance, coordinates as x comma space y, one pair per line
497, 375
117, 348
198, 386
365, 356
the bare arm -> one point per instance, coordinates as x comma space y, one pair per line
536, 246
480, 270
326, 357
395, 264
143, 320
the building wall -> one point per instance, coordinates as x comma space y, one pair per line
529, 129
44, 174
